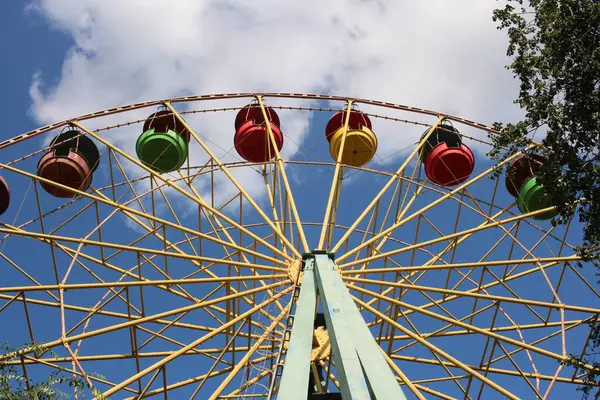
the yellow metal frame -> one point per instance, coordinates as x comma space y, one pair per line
251, 278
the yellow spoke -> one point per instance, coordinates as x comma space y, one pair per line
194, 344
494, 335
433, 204
393, 178
336, 178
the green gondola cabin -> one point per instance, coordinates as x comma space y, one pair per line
521, 183
163, 144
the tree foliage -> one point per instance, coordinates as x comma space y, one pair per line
15, 386
554, 47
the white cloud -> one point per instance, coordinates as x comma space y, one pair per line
433, 54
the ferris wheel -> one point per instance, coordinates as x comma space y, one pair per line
193, 248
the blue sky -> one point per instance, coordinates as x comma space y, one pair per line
37, 48
70, 59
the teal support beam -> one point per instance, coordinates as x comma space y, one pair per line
379, 377
296, 373
361, 368
349, 371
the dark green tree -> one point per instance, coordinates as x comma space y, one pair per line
14, 386
554, 47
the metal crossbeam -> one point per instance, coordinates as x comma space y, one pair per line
362, 370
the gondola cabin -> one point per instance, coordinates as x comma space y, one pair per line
359, 148
447, 161
163, 145
521, 183
361, 143
4, 196
356, 121
520, 170
71, 161
253, 112
252, 140
533, 197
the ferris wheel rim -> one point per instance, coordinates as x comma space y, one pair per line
225, 96
208, 97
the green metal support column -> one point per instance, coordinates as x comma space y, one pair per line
346, 320
361, 368
296, 373
349, 371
